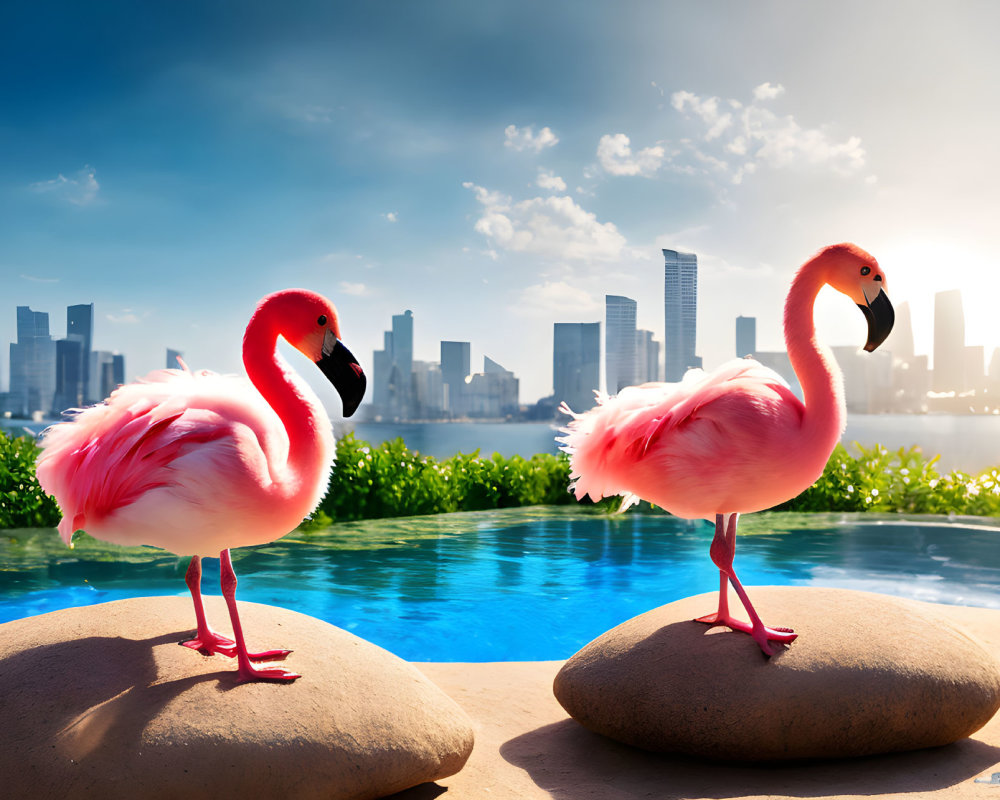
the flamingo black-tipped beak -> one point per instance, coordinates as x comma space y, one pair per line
344, 372
880, 316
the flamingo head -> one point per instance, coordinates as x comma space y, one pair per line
854, 272
309, 322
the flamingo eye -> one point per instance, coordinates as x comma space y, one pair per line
866, 270
321, 320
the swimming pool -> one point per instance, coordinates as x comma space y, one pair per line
521, 584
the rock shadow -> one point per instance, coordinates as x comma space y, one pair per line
569, 762
424, 791
79, 694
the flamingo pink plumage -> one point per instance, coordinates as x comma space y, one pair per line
735, 440
196, 462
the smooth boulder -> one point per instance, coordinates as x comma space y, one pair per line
867, 674
101, 701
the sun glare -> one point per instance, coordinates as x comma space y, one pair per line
916, 270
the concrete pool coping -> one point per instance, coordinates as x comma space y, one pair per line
527, 747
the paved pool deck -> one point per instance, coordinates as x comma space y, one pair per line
527, 747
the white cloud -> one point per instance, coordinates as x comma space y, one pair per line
707, 109
353, 289
547, 179
755, 135
391, 216
614, 151
553, 227
766, 91
737, 146
526, 139
748, 168
711, 162
37, 279
554, 299
782, 142
80, 190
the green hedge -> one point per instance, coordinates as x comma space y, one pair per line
389, 480
903, 481
23, 504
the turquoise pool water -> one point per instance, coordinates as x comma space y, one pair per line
524, 584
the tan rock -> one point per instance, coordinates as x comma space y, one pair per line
868, 674
102, 702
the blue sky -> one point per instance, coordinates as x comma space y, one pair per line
495, 167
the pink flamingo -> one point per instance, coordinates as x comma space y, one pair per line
734, 440
197, 463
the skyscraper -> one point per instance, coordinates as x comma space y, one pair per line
949, 342
492, 393
392, 367
32, 365
619, 343
428, 390
402, 342
80, 328
456, 364
746, 336
974, 379
680, 313
900, 341
117, 372
101, 373
647, 357
576, 363
993, 377
69, 375
31, 324
382, 366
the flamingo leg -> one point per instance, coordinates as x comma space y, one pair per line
722, 552
245, 669
205, 639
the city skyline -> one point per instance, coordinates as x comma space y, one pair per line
462, 161
49, 374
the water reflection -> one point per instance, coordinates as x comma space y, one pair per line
523, 584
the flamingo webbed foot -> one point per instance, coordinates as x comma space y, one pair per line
269, 655
762, 634
247, 673
211, 643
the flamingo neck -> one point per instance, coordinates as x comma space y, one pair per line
814, 364
293, 402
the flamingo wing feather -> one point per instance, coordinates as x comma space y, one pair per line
113, 454
650, 440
